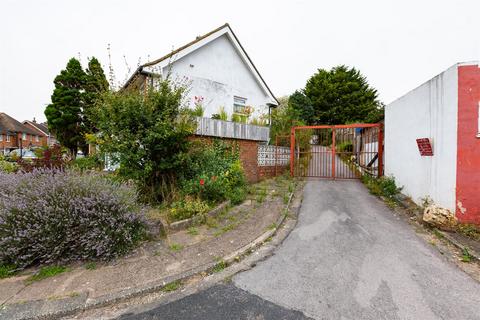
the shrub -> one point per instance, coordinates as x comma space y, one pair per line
51, 216
383, 186
214, 172
49, 157
7, 166
92, 162
187, 208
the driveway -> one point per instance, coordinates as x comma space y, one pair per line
348, 258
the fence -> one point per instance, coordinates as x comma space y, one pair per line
233, 130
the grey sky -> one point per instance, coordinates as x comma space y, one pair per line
397, 45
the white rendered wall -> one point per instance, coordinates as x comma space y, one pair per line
217, 73
429, 111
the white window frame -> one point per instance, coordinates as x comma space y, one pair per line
37, 138
1, 136
241, 103
24, 136
8, 137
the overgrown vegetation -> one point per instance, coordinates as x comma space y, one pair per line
146, 133
47, 272
51, 216
383, 186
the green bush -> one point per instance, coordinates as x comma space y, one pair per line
92, 162
187, 208
7, 166
215, 173
345, 146
383, 186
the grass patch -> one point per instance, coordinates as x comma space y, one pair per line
6, 271
466, 256
91, 266
225, 229
438, 234
175, 247
272, 226
172, 286
192, 231
219, 267
286, 198
47, 272
211, 222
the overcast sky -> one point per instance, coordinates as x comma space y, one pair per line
397, 45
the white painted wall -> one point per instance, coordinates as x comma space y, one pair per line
217, 73
429, 111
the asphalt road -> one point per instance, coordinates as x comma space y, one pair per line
348, 258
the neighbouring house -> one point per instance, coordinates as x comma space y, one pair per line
15, 135
219, 73
432, 141
48, 139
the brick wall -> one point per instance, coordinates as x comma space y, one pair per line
266, 172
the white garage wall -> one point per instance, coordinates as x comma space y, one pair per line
218, 73
429, 111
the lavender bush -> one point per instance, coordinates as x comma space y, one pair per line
51, 216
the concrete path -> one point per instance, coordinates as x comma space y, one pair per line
351, 258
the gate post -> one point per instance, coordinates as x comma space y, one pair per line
333, 152
292, 150
380, 150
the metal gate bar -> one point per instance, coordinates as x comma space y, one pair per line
336, 152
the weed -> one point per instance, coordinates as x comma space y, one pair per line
470, 231
225, 229
219, 267
291, 187
272, 226
438, 234
47, 272
175, 247
466, 256
192, 231
91, 266
286, 198
6, 271
74, 294
211, 222
172, 286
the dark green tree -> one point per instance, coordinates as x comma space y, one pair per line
64, 114
96, 83
341, 95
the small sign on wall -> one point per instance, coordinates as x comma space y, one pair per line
425, 147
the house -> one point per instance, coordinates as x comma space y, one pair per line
219, 72
48, 139
15, 135
432, 141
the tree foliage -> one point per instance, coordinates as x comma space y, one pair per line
64, 114
146, 133
69, 115
341, 95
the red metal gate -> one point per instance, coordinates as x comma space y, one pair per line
336, 152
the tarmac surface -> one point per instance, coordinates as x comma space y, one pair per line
349, 257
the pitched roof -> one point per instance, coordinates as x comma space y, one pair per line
197, 40
42, 127
9, 124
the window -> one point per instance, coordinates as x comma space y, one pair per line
239, 104
24, 136
8, 137
37, 138
1, 137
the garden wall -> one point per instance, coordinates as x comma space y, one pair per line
257, 158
